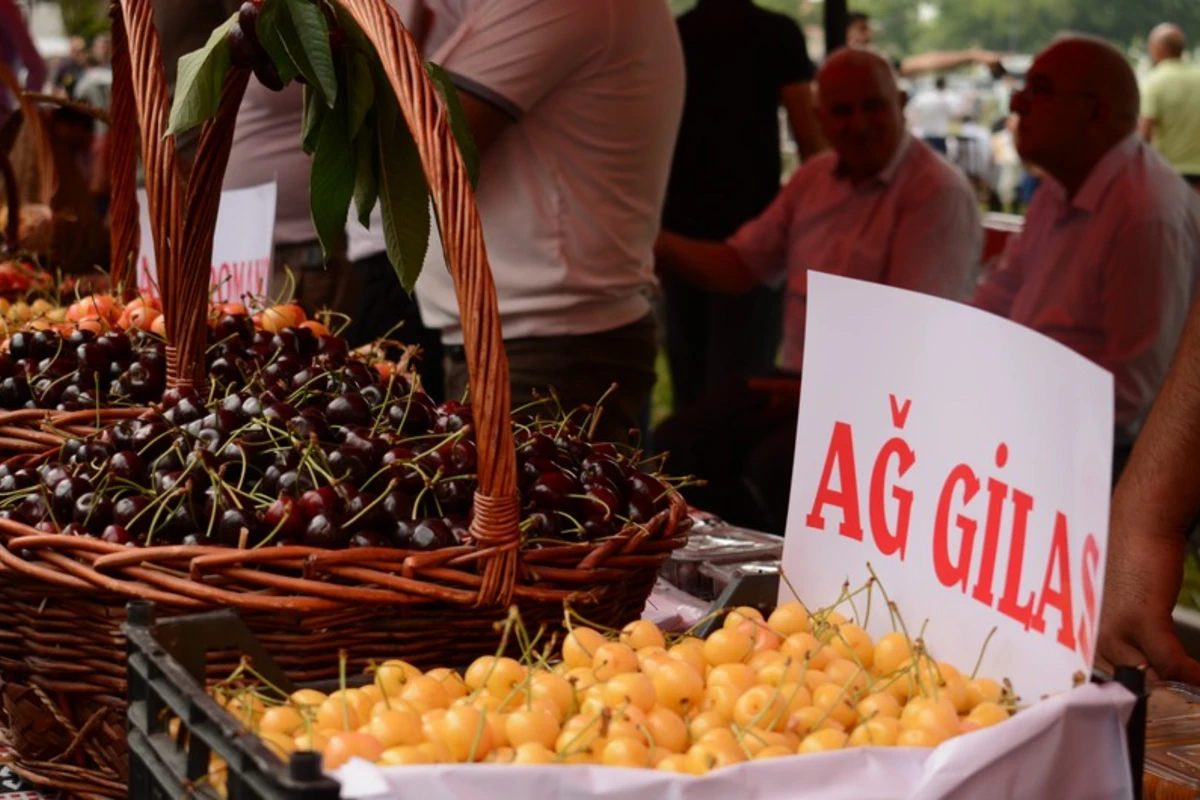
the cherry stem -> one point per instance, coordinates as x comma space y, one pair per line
982, 651
158, 513
382, 496
271, 536
342, 684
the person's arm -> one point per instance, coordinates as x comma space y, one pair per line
999, 287
1154, 506
935, 248
1146, 128
507, 56
757, 252
1150, 109
797, 100
713, 266
793, 72
937, 62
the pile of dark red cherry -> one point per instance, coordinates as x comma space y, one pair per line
299, 442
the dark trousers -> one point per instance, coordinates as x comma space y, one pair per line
385, 309
715, 340
938, 143
581, 369
315, 284
742, 447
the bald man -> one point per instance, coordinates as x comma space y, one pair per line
1171, 103
1107, 261
881, 206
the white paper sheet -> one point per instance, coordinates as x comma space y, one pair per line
1069, 746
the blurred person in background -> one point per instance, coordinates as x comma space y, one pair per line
882, 207
972, 147
95, 89
94, 86
861, 35
1108, 260
743, 64
1171, 103
1009, 172
930, 113
858, 30
72, 67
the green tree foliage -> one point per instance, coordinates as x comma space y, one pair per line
1028, 25
905, 27
84, 18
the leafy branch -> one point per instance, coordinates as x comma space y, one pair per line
362, 150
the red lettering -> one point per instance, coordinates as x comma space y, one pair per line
899, 413
1009, 606
845, 497
1060, 598
886, 540
1091, 575
950, 572
997, 494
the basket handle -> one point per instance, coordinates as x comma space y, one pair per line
12, 194
497, 504
124, 221
42, 149
182, 212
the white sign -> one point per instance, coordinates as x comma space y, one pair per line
968, 460
242, 245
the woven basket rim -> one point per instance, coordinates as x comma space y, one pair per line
312, 580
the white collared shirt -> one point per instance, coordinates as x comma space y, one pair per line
914, 226
1110, 273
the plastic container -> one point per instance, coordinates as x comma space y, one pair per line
166, 669
717, 543
1172, 765
715, 577
671, 609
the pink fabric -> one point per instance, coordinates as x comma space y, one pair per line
914, 226
1109, 273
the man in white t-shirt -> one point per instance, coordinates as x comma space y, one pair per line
575, 108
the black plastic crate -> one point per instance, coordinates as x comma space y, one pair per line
166, 673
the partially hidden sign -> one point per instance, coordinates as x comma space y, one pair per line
968, 461
242, 245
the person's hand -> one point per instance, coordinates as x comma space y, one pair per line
987, 58
1145, 572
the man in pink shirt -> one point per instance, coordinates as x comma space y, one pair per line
881, 207
1107, 261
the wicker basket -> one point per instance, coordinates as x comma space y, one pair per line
62, 598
